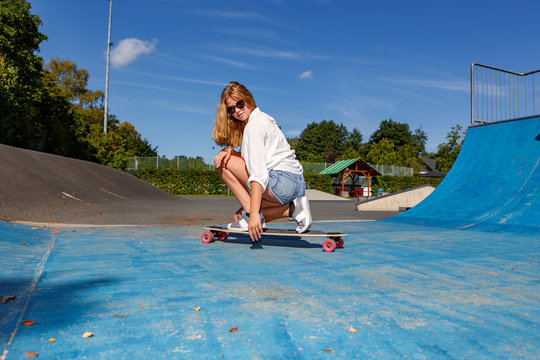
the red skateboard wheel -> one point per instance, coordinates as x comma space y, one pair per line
329, 245
207, 237
222, 235
339, 242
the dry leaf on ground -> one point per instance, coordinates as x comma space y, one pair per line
31, 355
87, 334
52, 340
329, 351
7, 298
353, 330
28, 322
233, 329
198, 308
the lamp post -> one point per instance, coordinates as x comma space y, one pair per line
105, 110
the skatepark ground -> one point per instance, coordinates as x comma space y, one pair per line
101, 252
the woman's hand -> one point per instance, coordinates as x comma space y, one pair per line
254, 227
222, 158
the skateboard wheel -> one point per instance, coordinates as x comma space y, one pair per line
329, 245
221, 235
339, 242
207, 237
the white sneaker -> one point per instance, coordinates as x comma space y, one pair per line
242, 223
299, 208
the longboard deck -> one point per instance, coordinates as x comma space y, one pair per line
335, 239
278, 232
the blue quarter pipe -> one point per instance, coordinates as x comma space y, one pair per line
493, 184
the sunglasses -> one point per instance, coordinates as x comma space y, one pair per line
240, 105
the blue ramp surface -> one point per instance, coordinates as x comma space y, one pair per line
493, 183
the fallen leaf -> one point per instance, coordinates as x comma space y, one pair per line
5, 299
353, 330
28, 322
233, 329
142, 307
198, 308
329, 351
87, 334
31, 355
24, 244
120, 316
34, 228
52, 340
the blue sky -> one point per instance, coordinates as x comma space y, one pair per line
354, 62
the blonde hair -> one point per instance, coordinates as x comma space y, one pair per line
227, 130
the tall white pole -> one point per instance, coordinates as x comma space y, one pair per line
105, 116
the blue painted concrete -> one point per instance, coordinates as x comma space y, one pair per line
493, 184
457, 277
419, 295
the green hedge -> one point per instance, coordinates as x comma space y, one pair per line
319, 182
191, 181
182, 182
391, 184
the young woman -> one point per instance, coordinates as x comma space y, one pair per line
265, 175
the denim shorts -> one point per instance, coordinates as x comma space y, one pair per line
286, 186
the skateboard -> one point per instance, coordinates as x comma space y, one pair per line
335, 239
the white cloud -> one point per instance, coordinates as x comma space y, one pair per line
306, 75
452, 85
128, 50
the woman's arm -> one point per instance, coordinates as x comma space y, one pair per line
254, 226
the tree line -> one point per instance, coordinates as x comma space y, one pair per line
393, 143
49, 107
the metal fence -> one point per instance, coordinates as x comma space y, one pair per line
182, 163
498, 94
158, 163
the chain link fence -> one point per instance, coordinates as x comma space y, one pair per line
183, 163
158, 163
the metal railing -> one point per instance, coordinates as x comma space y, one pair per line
498, 94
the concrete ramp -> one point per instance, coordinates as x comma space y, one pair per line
493, 184
40, 187
397, 201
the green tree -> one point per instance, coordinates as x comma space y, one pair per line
354, 141
20, 75
419, 140
326, 139
122, 141
448, 152
408, 146
397, 133
382, 152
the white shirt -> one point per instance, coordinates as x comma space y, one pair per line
265, 148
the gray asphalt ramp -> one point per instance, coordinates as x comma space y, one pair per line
42, 187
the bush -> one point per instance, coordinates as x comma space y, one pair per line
183, 182
192, 181
319, 182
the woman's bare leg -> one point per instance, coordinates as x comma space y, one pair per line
235, 176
